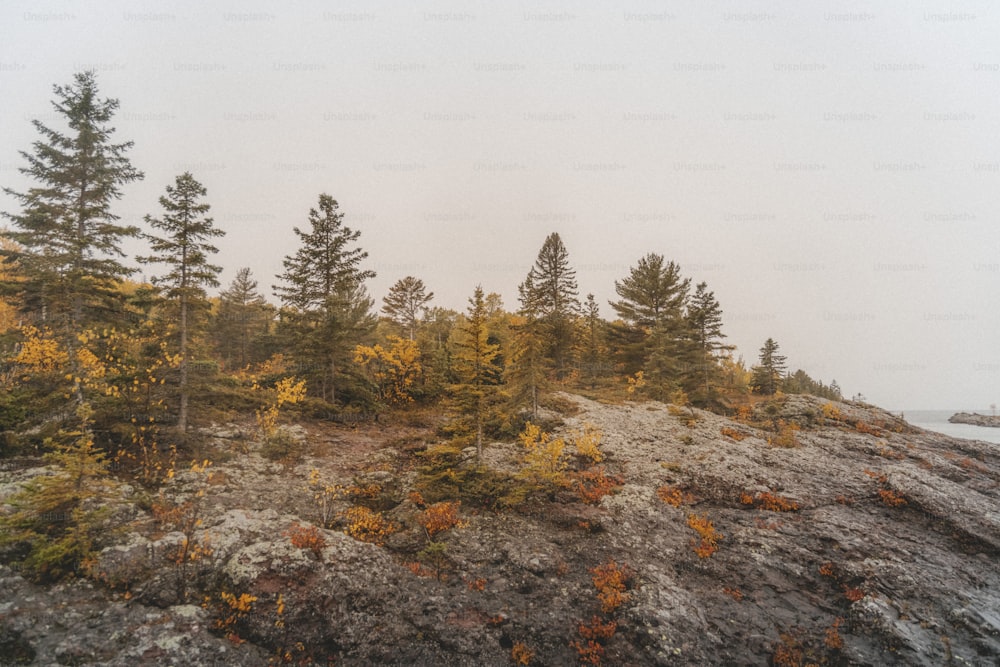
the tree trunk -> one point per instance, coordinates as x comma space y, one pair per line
182, 418
479, 440
333, 380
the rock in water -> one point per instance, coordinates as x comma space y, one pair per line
974, 419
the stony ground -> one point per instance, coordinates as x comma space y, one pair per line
889, 556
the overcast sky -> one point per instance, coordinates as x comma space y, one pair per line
830, 169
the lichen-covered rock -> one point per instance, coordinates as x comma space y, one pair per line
77, 623
885, 554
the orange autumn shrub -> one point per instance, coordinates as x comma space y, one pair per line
367, 526
521, 654
708, 543
593, 485
611, 582
439, 517
306, 537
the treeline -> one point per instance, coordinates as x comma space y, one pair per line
77, 330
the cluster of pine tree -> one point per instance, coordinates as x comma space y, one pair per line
164, 352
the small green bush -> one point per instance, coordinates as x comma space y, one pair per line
282, 446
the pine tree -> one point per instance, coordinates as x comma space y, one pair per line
799, 382
835, 390
404, 302
529, 365
653, 335
243, 316
704, 321
474, 368
768, 373
69, 242
549, 294
9, 276
434, 339
652, 293
593, 340
526, 373
326, 303
185, 251
59, 516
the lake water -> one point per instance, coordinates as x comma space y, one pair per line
937, 420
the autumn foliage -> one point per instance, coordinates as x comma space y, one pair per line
287, 390
593, 636
770, 502
593, 485
892, 498
708, 542
439, 517
733, 433
785, 436
674, 495
587, 443
520, 654
367, 526
544, 461
393, 370
306, 537
853, 593
611, 581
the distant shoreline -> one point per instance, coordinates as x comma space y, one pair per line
975, 419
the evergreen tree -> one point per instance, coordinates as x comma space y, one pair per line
10, 276
668, 364
404, 302
593, 341
652, 336
326, 304
652, 293
68, 240
434, 339
835, 391
243, 316
184, 249
549, 294
799, 382
529, 364
768, 373
704, 320
474, 368
527, 369
58, 517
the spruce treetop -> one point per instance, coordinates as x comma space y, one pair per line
68, 239
550, 290
652, 293
324, 268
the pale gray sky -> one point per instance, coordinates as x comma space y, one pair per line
831, 169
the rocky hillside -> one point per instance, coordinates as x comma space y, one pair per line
805, 532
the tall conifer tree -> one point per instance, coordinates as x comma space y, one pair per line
704, 319
68, 239
474, 368
768, 372
404, 302
184, 250
243, 315
549, 295
323, 292
652, 335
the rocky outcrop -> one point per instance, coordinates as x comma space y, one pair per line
886, 556
975, 419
